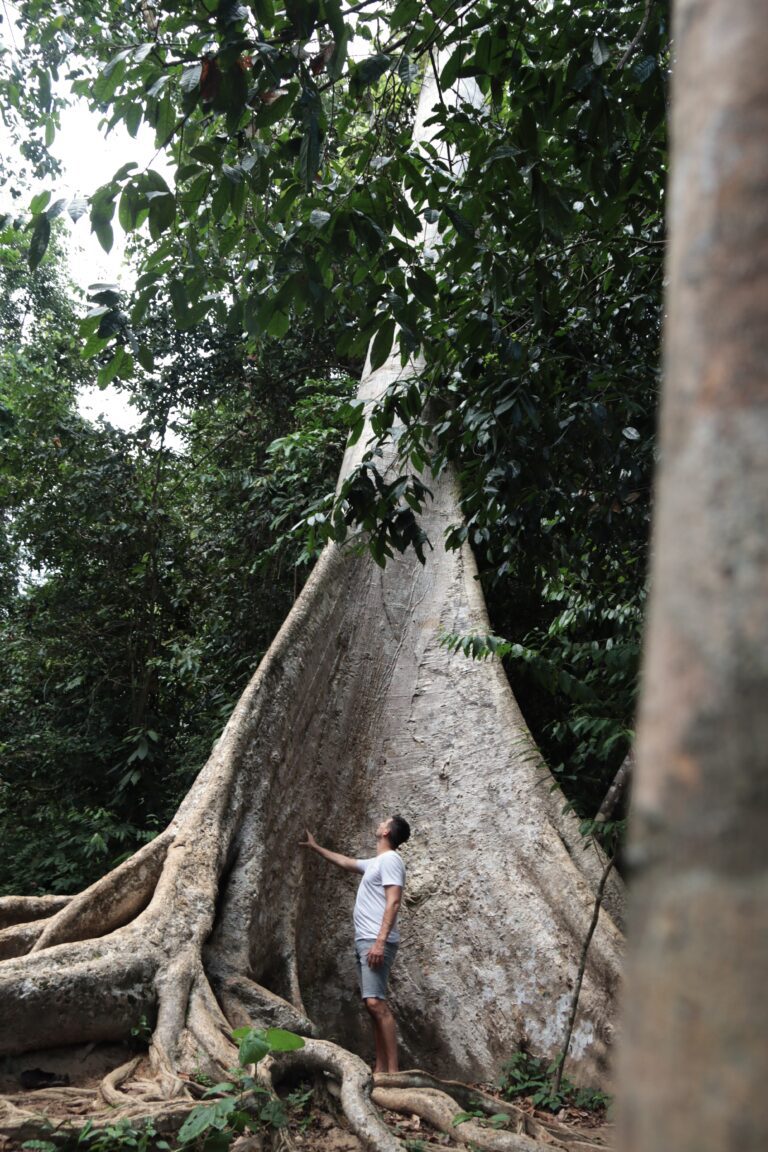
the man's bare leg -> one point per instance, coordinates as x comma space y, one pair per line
384, 1034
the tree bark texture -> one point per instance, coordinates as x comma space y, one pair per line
697, 996
356, 711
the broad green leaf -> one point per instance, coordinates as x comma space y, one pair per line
39, 202
179, 299
280, 1040
190, 77
336, 63
368, 71
104, 233
132, 201
162, 212
165, 123
141, 53
309, 154
146, 359
450, 72
200, 1120
279, 323
253, 1048
382, 343
643, 68
264, 11
41, 234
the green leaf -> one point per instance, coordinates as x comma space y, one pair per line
382, 343
279, 323
41, 234
165, 123
422, 285
264, 11
179, 299
280, 1040
190, 78
406, 69
644, 68
146, 359
133, 117
104, 234
199, 1121
600, 51
309, 154
450, 72
39, 202
253, 1048
77, 208
162, 212
368, 71
132, 201
335, 66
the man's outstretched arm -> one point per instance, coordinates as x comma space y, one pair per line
345, 862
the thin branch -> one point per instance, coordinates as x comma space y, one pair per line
557, 1079
637, 37
616, 792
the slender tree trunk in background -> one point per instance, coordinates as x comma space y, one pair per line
695, 1052
618, 789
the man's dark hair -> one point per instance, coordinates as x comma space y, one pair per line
399, 831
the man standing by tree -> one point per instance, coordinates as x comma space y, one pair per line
375, 920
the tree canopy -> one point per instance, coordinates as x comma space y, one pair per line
293, 223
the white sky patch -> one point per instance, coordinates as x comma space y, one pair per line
90, 159
110, 405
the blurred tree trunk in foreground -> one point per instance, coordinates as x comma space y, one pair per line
695, 1059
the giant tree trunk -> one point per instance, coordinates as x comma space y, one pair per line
697, 996
355, 712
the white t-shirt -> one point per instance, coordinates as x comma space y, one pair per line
371, 900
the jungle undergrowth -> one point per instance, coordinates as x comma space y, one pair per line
533, 1077
229, 1109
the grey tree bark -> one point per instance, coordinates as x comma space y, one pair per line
695, 1050
356, 711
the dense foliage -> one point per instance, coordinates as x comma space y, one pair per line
297, 215
142, 579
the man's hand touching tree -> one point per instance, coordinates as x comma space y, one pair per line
348, 863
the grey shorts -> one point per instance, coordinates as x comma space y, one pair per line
373, 981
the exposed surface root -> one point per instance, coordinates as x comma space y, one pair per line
19, 939
475, 1099
112, 901
356, 1083
440, 1110
109, 1089
209, 1026
464, 1094
124, 1095
244, 1000
21, 909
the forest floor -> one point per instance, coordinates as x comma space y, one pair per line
62, 1086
